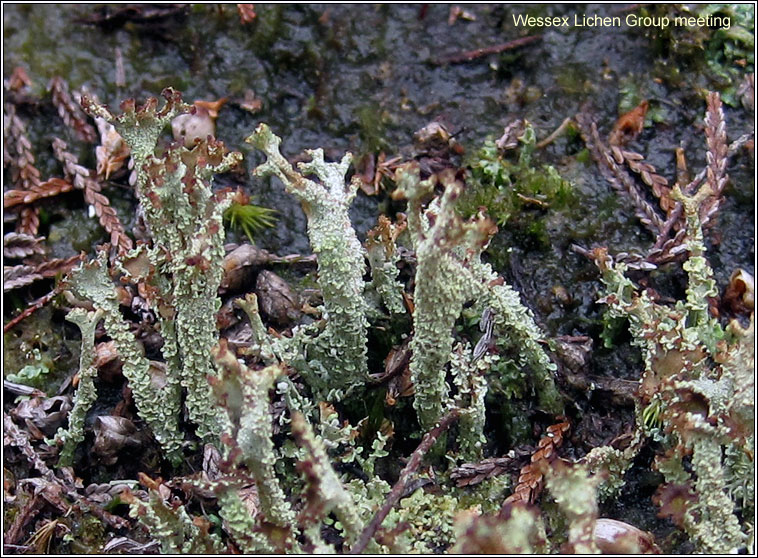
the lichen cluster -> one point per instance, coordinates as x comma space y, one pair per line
693, 396
269, 415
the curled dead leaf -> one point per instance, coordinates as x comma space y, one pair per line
629, 125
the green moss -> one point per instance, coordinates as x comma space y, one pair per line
514, 189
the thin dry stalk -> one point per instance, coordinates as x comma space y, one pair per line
469, 55
47, 189
647, 172
17, 245
22, 275
616, 175
405, 475
21, 159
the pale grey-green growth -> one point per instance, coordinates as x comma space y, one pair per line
449, 273
158, 399
326, 493
173, 527
239, 522
469, 377
575, 492
243, 394
442, 286
183, 265
333, 360
515, 324
382, 258
692, 396
86, 393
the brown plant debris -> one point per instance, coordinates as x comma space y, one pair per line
83, 179
247, 13
629, 125
668, 229
19, 245
469, 55
531, 478
649, 176
616, 175
24, 173
21, 275
69, 111
47, 189
470, 474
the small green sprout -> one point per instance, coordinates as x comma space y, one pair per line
247, 217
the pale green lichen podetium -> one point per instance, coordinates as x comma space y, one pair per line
441, 286
86, 393
159, 402
185, 220
449, 273
575, 492
383, 258
332, 496
334, 360
692, 396
243, 395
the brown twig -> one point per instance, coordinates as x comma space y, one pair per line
47, 189
647, 172
17, 245
405, 475
469, 55
25, 174
32, 308
617, 176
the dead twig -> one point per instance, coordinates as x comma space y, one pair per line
69, 111
469, 55
617, 176
405, 475
555, 135
18, 245
24, 172
32, 308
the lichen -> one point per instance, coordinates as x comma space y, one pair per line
86, 393
334, 359
692, 396
158, 399
449, 272
181, 270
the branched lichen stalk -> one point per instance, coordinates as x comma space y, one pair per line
184, 217
158, 402
86, 393
243, 395
332, 495
335, 360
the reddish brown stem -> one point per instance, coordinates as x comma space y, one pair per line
397, 491
468, 55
